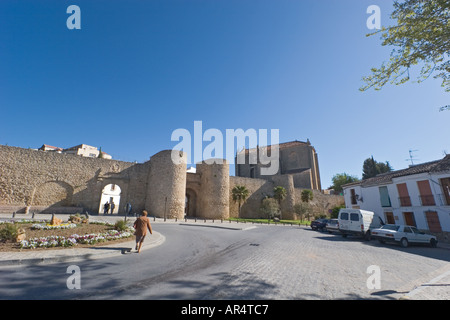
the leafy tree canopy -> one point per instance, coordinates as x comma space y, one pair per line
307, 195
371, 168
421, 35
279, 193
340, 179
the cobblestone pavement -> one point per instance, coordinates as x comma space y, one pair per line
321, 266
283, 262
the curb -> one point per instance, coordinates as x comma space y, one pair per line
217, 226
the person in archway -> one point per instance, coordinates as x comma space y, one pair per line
141, 225
106, 208
113, 205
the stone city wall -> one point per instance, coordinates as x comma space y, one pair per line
260, 188
38, 180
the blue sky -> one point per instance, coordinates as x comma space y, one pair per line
138, 70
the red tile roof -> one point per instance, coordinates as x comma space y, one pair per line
385, 178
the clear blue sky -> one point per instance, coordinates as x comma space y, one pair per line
138, 70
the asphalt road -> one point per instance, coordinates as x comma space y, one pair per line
262, 262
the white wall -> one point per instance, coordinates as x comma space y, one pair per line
371, 200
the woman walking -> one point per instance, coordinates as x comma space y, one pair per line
141, 225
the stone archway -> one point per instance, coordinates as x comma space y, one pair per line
191, 203
110, 193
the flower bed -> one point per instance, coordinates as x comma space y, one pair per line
41, 235
38, 226
73, 240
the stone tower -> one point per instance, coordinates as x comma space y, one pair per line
287, 205
215, 185
167, 185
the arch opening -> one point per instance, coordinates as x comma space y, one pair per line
110, 199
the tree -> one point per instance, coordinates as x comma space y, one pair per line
270, 208
306, 195
302, 210
279, 193
335, 211
371, 168
340, 179
421, 35
239, 194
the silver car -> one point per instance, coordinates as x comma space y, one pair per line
403, 234
333, 225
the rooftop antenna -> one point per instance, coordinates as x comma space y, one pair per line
411, 156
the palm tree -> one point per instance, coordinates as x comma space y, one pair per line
279, 194
307, 195
240, 193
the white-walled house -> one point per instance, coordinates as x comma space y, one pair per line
418, 196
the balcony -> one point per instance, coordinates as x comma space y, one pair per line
427, 200
405, 201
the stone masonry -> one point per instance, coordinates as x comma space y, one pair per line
38, 181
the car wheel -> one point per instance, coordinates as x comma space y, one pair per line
433, 243
404, 242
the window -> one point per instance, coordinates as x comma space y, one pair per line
405, 200
409, 218
426, 196
252, 171
390, 227
407, 230
415, 230
384, 197
389, 217
354, 216
445, 183
344, 215
353, 196
434, 225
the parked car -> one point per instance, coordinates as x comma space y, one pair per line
404, 235
333, 225
319, 224
358, 222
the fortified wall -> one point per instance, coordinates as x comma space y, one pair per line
38, 181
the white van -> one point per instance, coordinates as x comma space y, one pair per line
358, 222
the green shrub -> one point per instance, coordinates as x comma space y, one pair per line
270, 208
120, 225
8, 232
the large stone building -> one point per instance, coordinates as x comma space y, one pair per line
296, 158
38, 181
